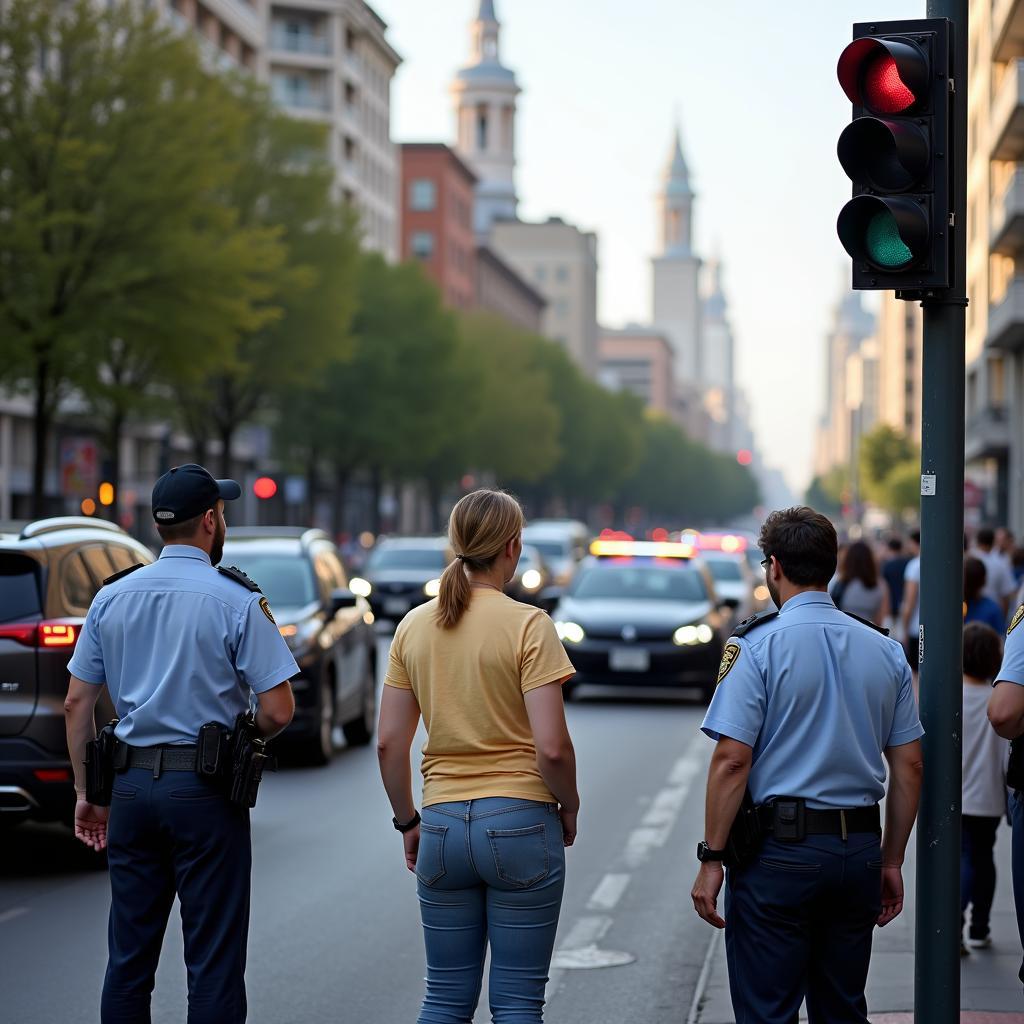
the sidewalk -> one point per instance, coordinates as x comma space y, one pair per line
988, 978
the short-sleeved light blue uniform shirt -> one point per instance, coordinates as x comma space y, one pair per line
179, 644
1012, 669
818, 696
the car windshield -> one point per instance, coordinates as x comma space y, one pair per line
640, 583
725, 570
286, 580
407, 558
551, 548
19, 588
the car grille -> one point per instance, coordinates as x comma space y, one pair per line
642, 633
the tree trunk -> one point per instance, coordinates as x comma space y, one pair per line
341, 478
311, 486
227, 438
376, 484
434, 496
41, 417
115, 433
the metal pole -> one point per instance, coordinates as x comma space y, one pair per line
937, 961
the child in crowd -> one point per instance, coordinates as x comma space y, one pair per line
984, 782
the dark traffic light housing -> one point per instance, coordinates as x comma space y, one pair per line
897, 153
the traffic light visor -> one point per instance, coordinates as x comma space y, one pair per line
889, 234
888, 76
890, 156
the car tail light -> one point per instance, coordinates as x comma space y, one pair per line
53, 774
21, 632
41, 634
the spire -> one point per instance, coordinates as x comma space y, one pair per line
486, 11
486, 30
677, 174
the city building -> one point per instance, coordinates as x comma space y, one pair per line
676, 302
560, 261
231, 33
900, 333
484, 93
437, 219
639, 360
500, 290
718, 363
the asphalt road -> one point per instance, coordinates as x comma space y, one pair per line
335, 931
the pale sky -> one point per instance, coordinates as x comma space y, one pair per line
755, 88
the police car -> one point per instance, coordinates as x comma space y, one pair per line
643, 613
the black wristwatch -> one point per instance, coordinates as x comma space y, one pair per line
705, 853
409, 825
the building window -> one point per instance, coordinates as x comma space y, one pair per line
421, 244
481, 128
422, 194
562, 273
540, 273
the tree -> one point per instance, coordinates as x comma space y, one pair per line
901, 489
116, 241
881, 451
829, 492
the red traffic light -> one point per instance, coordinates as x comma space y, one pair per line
264, 487
888, 76
744, 457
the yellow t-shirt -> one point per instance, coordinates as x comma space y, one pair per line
469, 682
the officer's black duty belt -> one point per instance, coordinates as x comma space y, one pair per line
171, 758
828, 823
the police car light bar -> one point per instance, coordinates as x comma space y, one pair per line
640, 549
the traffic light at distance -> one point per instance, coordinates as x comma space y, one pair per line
898, 152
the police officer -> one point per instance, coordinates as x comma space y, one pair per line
1006, 713
809, 699
178, 644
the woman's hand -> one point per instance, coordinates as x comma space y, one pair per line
568, 825
411, 841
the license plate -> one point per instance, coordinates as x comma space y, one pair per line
629, 659
394, 607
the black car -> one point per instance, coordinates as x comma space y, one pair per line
401, 573
50, 571
643, 615
328, 628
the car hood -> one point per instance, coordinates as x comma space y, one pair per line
293, 615
611, 613
413, 577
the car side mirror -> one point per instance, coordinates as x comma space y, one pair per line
342, 598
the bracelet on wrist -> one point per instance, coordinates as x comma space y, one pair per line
409, 825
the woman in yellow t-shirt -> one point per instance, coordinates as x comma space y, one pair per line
499, 772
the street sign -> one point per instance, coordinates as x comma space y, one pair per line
896, 152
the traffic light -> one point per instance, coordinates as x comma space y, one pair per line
898, 152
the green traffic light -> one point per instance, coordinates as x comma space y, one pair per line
884, 245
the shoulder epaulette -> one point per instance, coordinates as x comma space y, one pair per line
1018, 615
753, 622
236, 574
123, 573
867, 622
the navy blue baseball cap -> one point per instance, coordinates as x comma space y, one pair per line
185, 492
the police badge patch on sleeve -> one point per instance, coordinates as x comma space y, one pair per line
729, 658
1018, 617
265, 605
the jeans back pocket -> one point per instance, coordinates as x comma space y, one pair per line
520, 854
430, 856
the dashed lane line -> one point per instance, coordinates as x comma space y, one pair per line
608, 892
10, 915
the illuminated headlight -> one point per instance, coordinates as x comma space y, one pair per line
690, 636
531, 579
761, 593
432, 588
570, 631
360, 587
301, 636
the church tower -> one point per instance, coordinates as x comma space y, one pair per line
485, 93
676, 270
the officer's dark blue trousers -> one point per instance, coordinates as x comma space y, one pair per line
1017, 862
798, 925
176, 834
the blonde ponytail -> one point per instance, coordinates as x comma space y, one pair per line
480, 526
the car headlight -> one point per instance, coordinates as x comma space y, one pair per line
532, 579
432, 588
301, 636
691, 636
360, 587
761, 592
570, 631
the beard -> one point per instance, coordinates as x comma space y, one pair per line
217, 549
774, 591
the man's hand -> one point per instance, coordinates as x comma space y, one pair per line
91, 824
705, 892
411, 841
892, 894
568, 825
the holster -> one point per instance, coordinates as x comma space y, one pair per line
745, 835
1015, 766
234, 760
99, 766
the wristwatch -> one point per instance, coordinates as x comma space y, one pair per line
705, 853
409, 825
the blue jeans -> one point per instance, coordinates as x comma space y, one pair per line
489, 871
798, 924
977, 870
1017, 861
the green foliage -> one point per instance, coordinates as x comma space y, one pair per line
830, 491
890, 470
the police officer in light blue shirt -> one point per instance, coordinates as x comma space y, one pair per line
178, 644
1006, 713
811, 702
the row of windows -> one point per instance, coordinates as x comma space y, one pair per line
423, 245
423, 199
560, 273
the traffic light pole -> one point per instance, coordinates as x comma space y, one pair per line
937, 961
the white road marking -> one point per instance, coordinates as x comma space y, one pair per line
587, 931
608, 892
10, 915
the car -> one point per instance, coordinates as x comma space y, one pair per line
562, 545
642, 613
531, 577
401, 573
328, 628
50, 570
735, 562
